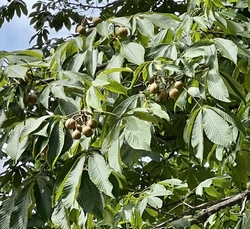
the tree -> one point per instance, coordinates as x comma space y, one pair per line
141, 121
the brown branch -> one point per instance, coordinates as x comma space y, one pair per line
117, 3
215, 206
205, 213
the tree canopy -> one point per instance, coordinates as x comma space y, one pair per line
137, 120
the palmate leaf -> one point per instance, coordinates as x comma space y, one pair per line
217, 87
72, 184
137, 133
216, 128
197, 141
91, 60
60, 216
56, 142
133, 52
7, 207
23, 202
15, 148
227, 48
92, 98
42, 194
90, 198
15, 71
113, 148
99, 173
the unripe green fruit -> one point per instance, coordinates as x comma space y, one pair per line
92, 123
70, 124
174, 93
122, 32
154, 88
87, 131
162, 96
76, 134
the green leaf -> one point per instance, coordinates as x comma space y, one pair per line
133, 52
99, 173
15, 148
42, 194
21, 211
15, 71
123, 21
68, 106
204, 184
154, 202
72, 184
44, 97
92, 98
227, 49
137, 133
91, 60
216, 128
114, 149
197, 141
145, 27
217, 87
56, 142
103, 29
7, 207
90, 198
32, 124
162, 20
60, 216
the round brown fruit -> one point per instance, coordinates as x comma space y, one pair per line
87, 131
248, 186
79, 127
76, 134
92, 123
152, 79
32, 98
96, 20
174, 93
70, 124
44, 152
80, 29
178, 84
122, 32
26, 100
154, 88
162, 96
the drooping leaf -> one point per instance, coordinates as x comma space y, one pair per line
60, 216
90, 198
217, 87
99, 173
42, 194
72, 184
56, 142
216, 128
21, 211
197, 136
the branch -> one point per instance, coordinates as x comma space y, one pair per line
205, 213
117, 3
216, 206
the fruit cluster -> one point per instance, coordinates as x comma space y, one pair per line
162, 95
80, 126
